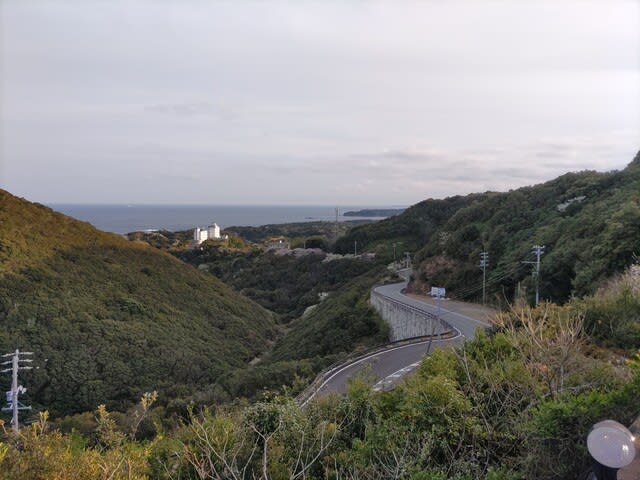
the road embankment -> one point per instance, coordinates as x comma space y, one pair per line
406, 319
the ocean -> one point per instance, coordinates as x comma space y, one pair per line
130, 218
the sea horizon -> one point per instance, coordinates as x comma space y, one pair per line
124, 218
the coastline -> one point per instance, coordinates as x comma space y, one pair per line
122, 219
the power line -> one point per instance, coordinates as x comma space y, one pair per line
492, 280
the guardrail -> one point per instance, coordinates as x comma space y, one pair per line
311, 390
447, 331
378, 298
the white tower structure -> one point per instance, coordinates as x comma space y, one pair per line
200, 235
214, 231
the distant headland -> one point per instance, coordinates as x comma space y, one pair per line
375, 212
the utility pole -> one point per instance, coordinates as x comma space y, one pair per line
395, 255
538, 250
335, 228
355, 248
484, 263
12, 396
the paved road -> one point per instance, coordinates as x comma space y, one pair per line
464, 324
389, 366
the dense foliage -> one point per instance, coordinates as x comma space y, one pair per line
109, 319
588, 221
408, 231
374, 212
514, 404
281, 283
296, 231
339, 324
323, 304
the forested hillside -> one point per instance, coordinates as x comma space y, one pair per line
589, 223
409, 230
284, 284
108, 319
339, 319
515, 404
296, 232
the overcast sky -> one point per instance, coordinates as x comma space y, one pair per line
300, 102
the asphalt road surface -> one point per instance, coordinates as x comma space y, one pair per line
464, 324
387, 367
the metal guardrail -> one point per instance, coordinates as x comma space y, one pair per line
308, 392
448, 330
410, 308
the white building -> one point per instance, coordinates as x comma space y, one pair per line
214, 231
202, 234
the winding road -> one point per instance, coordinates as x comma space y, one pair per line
388, 366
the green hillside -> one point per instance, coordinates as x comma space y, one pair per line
408, 230
589, 223
338, 325
288, 286
515, 404
342, 323
108, 319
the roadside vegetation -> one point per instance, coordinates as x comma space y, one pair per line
516, 403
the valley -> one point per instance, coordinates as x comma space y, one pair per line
233, 331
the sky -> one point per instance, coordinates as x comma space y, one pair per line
314, 102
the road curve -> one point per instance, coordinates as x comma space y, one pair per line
388, 366
465, 325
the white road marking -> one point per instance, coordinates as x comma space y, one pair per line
415, 303
388, 380
458, 334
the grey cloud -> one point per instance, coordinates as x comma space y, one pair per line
179, 176
398, 158
409, 157
282, 101
281, 169
190, 109
550, 154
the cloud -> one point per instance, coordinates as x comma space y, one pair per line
282, 101
190, 109
465, 170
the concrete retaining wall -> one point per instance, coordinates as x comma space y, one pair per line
406, 321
